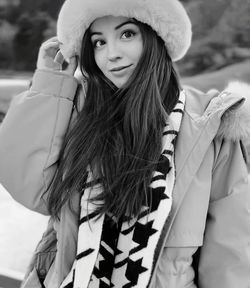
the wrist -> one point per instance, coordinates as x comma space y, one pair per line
56, 83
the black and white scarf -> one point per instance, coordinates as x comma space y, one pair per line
124, 255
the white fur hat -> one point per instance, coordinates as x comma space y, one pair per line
167, 17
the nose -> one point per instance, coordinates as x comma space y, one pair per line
114, 52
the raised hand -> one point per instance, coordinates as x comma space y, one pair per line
50, 58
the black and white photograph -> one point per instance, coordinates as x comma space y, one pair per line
124, 144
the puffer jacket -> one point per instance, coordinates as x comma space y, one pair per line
207, 235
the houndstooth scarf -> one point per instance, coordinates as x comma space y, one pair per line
124, 255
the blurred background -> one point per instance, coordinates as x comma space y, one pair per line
221, 33
220, 52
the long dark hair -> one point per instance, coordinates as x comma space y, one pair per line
118, 132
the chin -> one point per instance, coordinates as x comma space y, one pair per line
119, 84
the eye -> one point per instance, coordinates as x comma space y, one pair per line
128, 34
98, 43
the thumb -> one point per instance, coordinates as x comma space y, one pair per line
70, 65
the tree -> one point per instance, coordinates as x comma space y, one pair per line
7, 34
28, 39
48, 6
221, 30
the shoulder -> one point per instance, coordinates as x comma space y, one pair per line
236, 120
232, 105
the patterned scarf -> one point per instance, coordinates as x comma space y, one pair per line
123, 255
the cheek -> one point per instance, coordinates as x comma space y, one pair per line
137, 51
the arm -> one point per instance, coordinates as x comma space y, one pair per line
31, 137
225, 255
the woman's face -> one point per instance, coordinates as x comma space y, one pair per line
118, 45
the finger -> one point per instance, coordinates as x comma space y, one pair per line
49, 50
71, 65
73, 62
52, 39
59, 58
48, 45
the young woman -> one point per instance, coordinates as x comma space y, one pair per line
146, 182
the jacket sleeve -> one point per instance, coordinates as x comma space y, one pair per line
31, 136
225, 255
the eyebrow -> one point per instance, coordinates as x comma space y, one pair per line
116, 28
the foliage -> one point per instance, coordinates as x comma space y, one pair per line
218, 39
48, 6
10, 13
20, 42
23, 29
7, 34
28, 39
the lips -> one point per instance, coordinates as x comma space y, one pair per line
116, 69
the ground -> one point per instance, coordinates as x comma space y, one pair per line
20, 230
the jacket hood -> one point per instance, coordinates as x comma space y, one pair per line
236, 121
167, 17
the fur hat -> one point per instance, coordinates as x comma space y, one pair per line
167, 17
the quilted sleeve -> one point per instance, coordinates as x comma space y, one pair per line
31, 136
